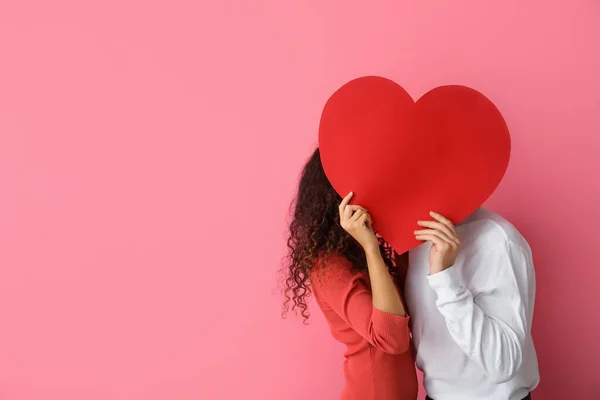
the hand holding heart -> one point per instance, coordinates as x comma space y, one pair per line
441, 233
357, 222
445, 242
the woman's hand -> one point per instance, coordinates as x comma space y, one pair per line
446, 244
357, 222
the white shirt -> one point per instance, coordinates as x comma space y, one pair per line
472, 322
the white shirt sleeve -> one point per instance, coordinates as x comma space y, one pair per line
490, 318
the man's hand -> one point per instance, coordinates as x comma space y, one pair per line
445, 242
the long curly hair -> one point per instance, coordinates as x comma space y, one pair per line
315, 231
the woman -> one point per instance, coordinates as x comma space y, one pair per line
336, 255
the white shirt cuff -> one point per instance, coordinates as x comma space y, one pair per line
446, 282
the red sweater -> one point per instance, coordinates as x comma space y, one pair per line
379, 362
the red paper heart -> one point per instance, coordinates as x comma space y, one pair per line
447, 152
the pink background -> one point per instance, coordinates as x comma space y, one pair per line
149, 150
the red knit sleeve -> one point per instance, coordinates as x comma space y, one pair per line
348, 294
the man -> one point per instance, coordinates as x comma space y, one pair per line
471, 304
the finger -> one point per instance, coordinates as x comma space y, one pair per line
354, 208
363, 220
347, 213
436, 241
429, 238
346, 201
357, 215
437, 233
439, 227
440, 218
370, 223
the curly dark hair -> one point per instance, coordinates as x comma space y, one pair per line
314, 231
